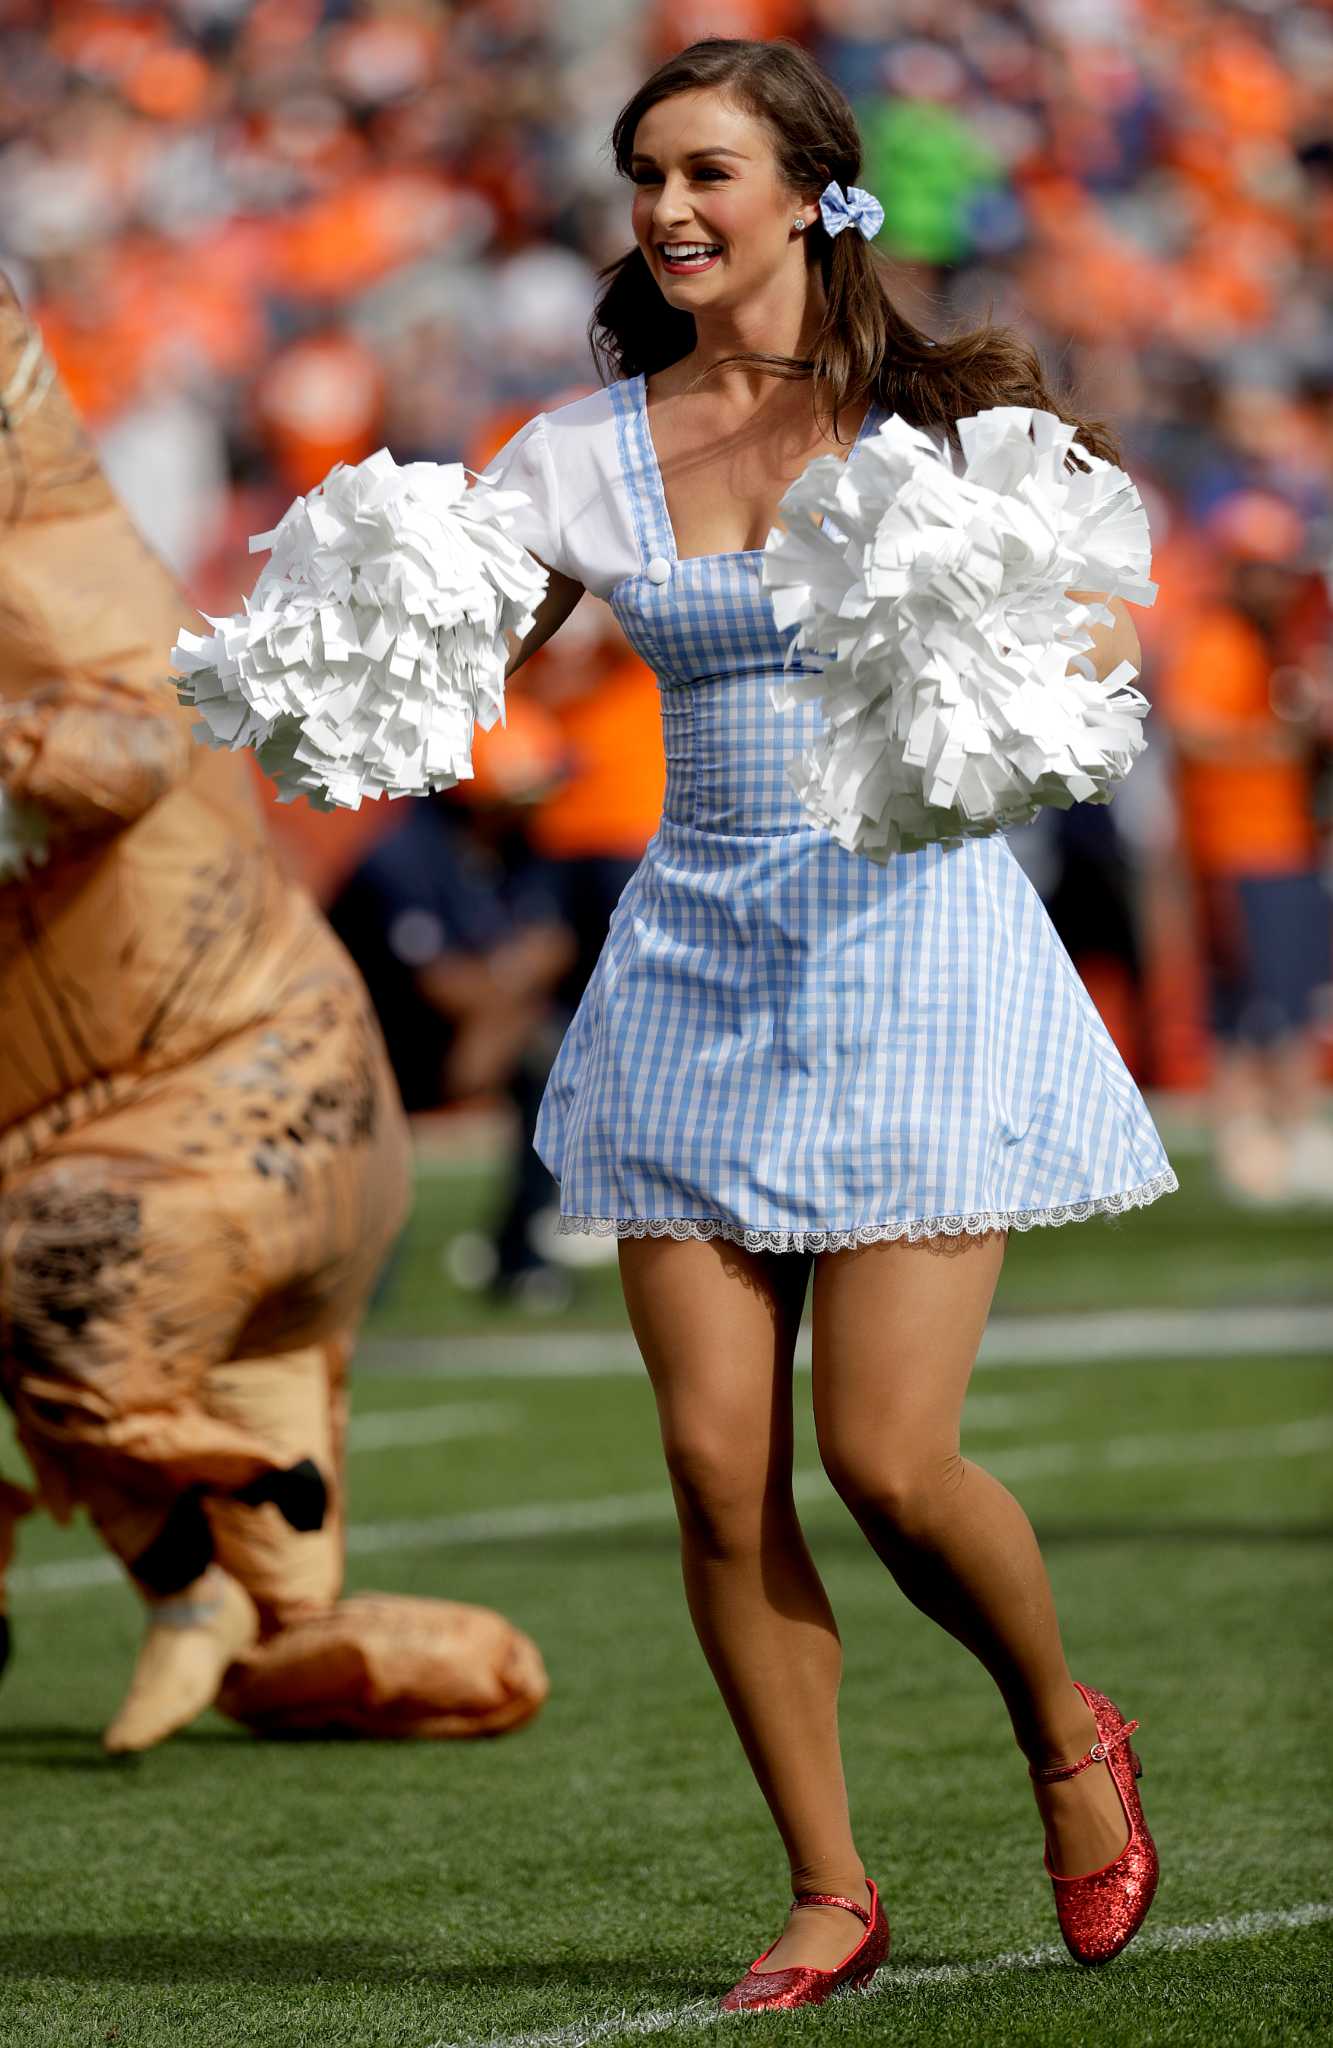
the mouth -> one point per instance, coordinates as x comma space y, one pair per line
687, 256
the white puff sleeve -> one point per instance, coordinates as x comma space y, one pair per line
525, 463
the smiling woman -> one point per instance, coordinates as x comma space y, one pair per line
790, 1060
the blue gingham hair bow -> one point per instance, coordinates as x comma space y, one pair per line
840, 210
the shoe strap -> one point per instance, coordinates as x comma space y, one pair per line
831, 1899
1098, 1754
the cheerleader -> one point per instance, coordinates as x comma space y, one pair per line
791, 1059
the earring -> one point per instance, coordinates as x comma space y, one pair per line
798, 224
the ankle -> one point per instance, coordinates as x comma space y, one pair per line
1064, 1738
826, 1878
195, 1605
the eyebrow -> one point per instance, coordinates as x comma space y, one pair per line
642, 156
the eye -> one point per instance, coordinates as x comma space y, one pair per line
647, 177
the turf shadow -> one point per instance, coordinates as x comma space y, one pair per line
86, 1957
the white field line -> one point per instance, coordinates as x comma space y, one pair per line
1051, 1340
442, 1421
387, 1428
391, 1428
701, 2012
1304, 1438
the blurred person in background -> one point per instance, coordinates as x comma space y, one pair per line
594, 828
1080, 865
1247, 698
457, 926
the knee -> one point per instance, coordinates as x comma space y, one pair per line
908, 1490
720, 1495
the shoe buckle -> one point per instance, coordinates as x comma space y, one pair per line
1099, 1752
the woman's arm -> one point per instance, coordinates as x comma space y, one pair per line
562, 594
1110, 644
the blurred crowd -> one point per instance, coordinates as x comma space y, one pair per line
261, 236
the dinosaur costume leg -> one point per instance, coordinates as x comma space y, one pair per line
269, 1570
375, 1664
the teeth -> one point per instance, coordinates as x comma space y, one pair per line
678, 249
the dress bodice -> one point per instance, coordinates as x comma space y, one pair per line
704, 624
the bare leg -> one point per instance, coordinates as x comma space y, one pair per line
1249, 1149
896, 1330
1293, 1066
717, 1327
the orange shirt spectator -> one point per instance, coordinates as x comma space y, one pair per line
1244, 780
612, 801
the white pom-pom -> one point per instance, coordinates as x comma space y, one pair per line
934, 600
23, 837
374, 640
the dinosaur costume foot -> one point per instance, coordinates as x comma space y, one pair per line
191, 1640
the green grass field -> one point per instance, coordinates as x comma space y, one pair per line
604, 1873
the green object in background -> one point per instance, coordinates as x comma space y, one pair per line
924, 165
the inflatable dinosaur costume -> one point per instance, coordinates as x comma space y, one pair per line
203, 1159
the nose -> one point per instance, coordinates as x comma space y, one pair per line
669, 212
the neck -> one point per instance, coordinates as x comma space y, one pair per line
770, 323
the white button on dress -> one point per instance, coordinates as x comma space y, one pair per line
658, 569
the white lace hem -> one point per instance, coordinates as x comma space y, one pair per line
914, 1229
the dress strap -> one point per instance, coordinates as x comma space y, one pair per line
831, 1899
638, 469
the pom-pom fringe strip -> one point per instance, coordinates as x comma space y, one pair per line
942, 629
374, 641
914, 1229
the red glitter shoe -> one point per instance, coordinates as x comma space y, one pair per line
1101, 1911
803, 1984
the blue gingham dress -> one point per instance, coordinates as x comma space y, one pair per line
783, 1043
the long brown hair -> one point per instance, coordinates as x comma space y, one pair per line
865, 348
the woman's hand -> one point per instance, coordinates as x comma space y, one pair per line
1110, 644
